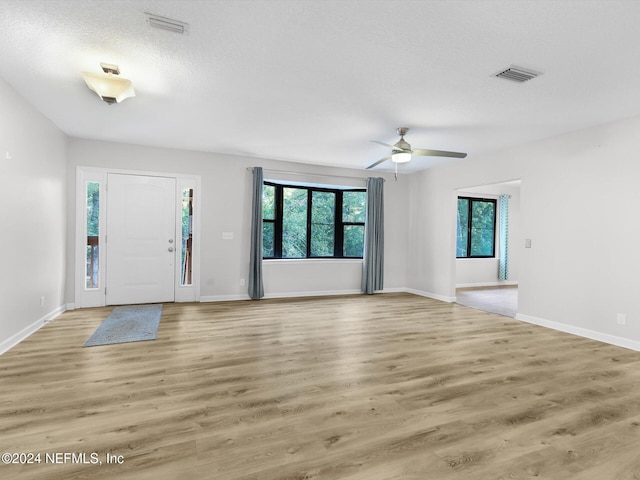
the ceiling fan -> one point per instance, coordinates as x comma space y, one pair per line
402, 151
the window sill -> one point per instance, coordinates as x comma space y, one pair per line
477, 259
340, 261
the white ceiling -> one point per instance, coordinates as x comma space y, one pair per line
314, 81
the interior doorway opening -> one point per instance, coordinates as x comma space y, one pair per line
489, 280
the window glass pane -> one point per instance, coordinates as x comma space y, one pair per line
294, 223
269, 202
323, 213
353, 206
481, 242
268, 239
322, 240
93, 236
353, 240
463, 228
482, 215
482, 228
187, 236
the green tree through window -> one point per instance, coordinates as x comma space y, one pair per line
353, 212
93, 236
476, 228
323, 223
269, 219
294, 223
311, 222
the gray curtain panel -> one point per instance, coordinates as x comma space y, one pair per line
373, 256
256, 288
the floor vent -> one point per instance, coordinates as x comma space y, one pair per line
517, 74
168, 24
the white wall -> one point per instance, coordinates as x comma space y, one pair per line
226, 203
578, 197
471, 272
33, 216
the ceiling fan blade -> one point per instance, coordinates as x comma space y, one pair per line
393, 147
437, 153
379, 162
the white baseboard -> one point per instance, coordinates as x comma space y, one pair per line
12, 341
395, 290
223, 298
320, 293
435, 296
581, 332
324, 293
498, 283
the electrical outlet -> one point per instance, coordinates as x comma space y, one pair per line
622, 319
227, 235
42, 301
242, 282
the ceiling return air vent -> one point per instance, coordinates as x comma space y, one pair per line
168, 24
517, 74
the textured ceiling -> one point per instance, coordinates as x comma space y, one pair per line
314, 81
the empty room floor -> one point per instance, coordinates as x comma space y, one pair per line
502, 300
362, 387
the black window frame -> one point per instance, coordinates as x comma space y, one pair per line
470, 222
339, 224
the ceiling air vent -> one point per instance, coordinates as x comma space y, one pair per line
168, 24
517, 74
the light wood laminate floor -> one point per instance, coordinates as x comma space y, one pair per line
382, 387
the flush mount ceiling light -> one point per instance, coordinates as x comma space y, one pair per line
109, 87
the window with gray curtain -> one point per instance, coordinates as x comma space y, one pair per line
312, 221
373, 255
256, 287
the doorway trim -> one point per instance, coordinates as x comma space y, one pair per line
96, 297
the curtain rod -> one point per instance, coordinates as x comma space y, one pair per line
364, 179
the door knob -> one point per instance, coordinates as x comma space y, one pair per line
171, 249
171, 240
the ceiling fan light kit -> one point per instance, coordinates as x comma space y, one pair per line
402, 149
401, 157
108, 85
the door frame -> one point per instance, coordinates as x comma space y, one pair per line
95, 297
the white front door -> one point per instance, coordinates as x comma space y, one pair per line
141, 244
